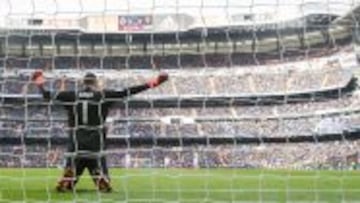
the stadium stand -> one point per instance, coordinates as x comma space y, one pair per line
262, 90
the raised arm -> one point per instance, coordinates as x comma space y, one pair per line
137, 89
39, 80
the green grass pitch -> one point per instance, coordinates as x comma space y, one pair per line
187, 185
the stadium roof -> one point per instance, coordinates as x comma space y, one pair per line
77, 8
89, 15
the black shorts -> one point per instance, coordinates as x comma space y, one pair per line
96, 166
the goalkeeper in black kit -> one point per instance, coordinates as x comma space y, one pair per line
87, 110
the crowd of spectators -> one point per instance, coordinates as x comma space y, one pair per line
208, 83
328, 155
167, 61
278, 120
282, 120
319, 71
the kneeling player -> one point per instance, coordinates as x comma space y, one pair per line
87, 111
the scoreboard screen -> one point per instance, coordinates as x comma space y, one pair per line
135, 23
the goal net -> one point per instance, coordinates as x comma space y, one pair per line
261, 105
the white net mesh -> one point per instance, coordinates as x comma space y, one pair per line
261, 104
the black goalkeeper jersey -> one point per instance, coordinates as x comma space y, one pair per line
87, 111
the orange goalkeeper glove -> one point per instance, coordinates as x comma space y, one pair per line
158, 80
38, 78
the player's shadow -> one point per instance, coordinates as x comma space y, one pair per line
84, 191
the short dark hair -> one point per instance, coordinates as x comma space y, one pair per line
90, 79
